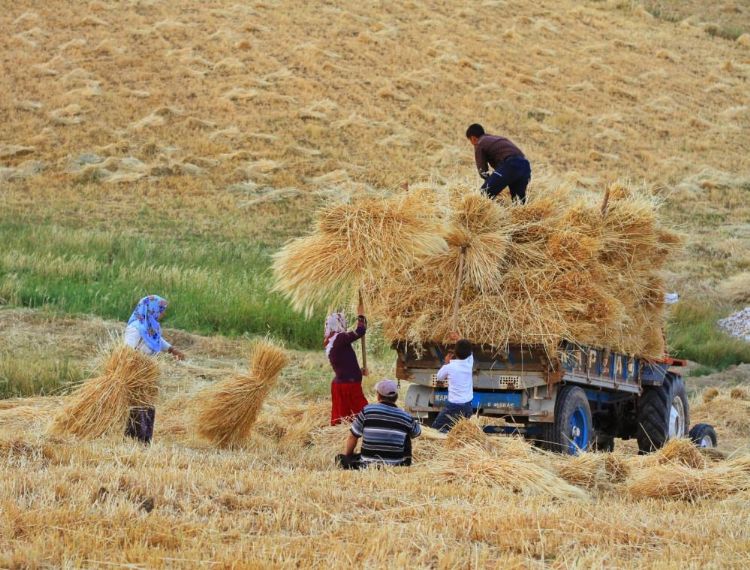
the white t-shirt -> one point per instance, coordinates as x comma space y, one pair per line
460, 379
132, 338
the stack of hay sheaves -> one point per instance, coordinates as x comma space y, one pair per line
560, 268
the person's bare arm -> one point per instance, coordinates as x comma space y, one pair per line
351, 444
178, 354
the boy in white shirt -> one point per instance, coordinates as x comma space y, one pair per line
459, 371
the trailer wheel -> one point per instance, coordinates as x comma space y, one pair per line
573, 428
703, 435
663, 413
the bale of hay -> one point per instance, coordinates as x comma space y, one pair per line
474, 465
101, 404
680, 451
710, 394
466, 431
681, 482
738, 394
226, 411
355, 244
558, 268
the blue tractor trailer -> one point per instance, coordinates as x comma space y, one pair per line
581, 398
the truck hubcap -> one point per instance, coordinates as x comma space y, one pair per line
677, 418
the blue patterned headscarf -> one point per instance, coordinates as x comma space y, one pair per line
145, 318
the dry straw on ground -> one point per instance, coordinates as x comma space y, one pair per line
559, 268
226, 412
677, 481
101, 404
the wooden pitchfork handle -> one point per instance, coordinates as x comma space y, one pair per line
459, 284
364, 344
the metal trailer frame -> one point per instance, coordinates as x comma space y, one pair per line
521, 383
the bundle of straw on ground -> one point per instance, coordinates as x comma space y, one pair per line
677, 481
474, 464
561, 267
680, 451
101, 404
226, 411
464, 432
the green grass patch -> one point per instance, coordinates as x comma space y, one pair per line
694, 334
213, 286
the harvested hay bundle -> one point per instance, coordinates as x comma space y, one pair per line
594, 470
558, 268
474, 465
710, 394
355, 243
685, 483
584, 470
101, 404
738, 394
227, 410
680, 451
466, 431
288, 419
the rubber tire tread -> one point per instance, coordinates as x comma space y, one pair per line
654, 408
699, 431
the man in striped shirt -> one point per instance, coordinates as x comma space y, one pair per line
386, 431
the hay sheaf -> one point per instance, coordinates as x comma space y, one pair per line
676, 481
473, 464
100, 405
226, 411
354, 244
558, 268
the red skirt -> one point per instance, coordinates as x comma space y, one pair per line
347, 400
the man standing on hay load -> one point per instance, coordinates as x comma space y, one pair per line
459, 370
509, 164
386, 431
347, 397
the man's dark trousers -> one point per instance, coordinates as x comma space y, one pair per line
515, 173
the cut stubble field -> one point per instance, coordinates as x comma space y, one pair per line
173, 147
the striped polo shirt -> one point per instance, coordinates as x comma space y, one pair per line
386, 431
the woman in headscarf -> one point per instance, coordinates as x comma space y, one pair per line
143, 333
144, 328
347, 398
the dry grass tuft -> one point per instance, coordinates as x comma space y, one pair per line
680, 451
738, 394
466, 431
226, 411
473, 464
101, 404
709, 394
677, 481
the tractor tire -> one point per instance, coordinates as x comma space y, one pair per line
573, 429
663, 413
703, 435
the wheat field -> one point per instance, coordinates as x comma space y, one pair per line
177, 145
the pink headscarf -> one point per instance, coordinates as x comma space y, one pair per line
335, 324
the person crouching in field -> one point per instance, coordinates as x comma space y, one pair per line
386, 431
459, 372
347, 397
143, 332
